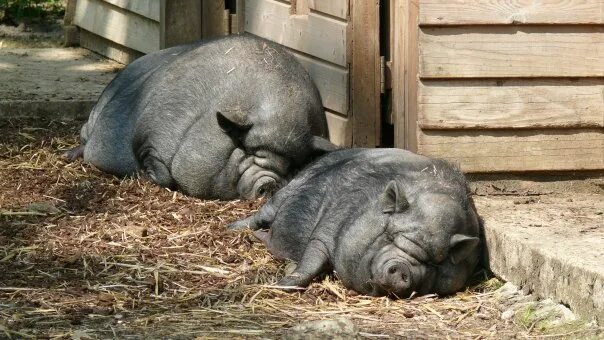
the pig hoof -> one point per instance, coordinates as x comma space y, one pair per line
238, 225
292, 282
75, 153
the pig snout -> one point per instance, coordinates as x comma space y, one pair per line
265, 186
261, 176
395, 277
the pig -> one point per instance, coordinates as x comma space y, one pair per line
227, 118
388, 222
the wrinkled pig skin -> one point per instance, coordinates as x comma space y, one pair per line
387, 221
226, 118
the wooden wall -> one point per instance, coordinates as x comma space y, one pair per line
501, 85
124, 30
337, 43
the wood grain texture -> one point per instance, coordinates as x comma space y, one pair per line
525, 150
70, 8
497, 12
336, 8
365, 74
540, 51
332, 82
313, 34
108, 48
118, 25
146, 8
339, 129
398, 32
240, 22
213, 21
411, 75
180, 22
515, 103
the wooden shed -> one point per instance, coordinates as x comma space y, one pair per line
493, 85
501, 85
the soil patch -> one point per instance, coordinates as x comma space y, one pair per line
87, 255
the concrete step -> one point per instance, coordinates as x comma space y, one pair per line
59, 82
550, 245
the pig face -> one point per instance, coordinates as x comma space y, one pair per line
426, 244
264, 160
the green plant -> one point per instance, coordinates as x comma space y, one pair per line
33, 10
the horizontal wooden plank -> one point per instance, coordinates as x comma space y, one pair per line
108, 48
506, 51
118, 25
336, 8
331, 81
316, 35
147, 8
496, 12
519, 150
339, 129
513, 103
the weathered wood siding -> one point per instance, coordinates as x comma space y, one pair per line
124, 30
502, 85
316, 34
337, 42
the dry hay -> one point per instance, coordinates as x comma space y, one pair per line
86, 255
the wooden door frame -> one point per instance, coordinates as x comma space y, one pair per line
404, 29
365, 73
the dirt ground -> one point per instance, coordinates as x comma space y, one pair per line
32, 35
84, 255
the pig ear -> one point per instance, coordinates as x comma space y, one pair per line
230, 121
461, 247
393, 199
321, 146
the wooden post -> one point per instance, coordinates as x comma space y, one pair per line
404, 74
238, 18
365, 73
411, 74
71, 31
180, 22
397, 47
213, 13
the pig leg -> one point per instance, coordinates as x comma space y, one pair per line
75, 153
261, 220
314, 261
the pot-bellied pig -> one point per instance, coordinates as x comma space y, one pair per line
226, 118
387, 221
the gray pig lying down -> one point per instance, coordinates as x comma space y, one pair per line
226, 118
387, 221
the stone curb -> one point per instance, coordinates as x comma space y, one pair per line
59, 109
511, 257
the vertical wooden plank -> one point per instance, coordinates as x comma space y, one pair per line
71, 32
70, 9
299, 7
411, 74
365, 72
180, 22
398, 33
213, 18
240, 14
226, 22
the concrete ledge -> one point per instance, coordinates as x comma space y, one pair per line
59, 109
551, 246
